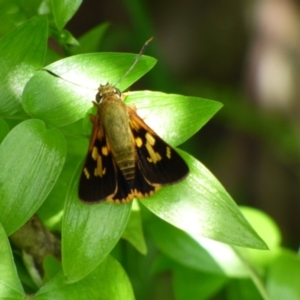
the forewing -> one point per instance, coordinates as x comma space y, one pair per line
98, 179
158, 162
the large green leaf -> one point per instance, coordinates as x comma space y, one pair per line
89, 232
174, 117
22, 52
62, 101
201, 206
31, 158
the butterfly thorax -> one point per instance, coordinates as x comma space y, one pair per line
113, 115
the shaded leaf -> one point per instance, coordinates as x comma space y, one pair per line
200, 254
107, 282
4, 129
189, 284
133, 232
64, 10
10, 285
91, 40
22, 52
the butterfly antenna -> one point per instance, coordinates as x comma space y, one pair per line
136, 60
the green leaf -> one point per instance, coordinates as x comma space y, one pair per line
15, 12
4, 129
189, 284
165, 112
90, 41
51, 267
244, 289
10, 16
133, 232
283, 277
22, 52
60, 102
26, 280
107, 282
201, 206
64, 37
198, 254
10, 285
269, 231
89, 232
64, 10
51, 210
264, 225
31, 157
33, 7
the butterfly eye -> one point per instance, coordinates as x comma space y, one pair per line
98, 98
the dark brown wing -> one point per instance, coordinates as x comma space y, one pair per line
157, 161
98, 179
101, 179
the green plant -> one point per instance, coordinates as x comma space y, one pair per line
44, 129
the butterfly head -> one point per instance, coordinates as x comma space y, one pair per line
106, 90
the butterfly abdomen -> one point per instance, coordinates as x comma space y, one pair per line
113, 115
127, 167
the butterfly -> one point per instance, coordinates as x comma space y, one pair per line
126, 159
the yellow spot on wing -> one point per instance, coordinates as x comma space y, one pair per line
139, 142
168, 152
95, 153
150, 139
158, 157
86, 173
104, 151
154, 156
98, 170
